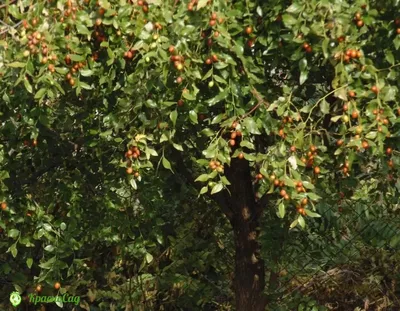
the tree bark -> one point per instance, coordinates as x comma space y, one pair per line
249, 281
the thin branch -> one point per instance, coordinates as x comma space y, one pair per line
260, 102
14, 26
7, 4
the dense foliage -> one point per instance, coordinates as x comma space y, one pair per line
128, 126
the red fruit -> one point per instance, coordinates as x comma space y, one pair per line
374, 89
249, 30
180, 103
179, 80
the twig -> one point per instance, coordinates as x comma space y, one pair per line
14, 26
7, 4
260, 102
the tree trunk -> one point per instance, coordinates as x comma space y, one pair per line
249, 281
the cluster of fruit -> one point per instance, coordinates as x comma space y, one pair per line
178, 61
235, 134
132, 153
308, 159
352, 54
74, 69
144, 5
34, 143
307, 47
216, 166
212, 59
70, 11
214, 18
129, 54
358, 21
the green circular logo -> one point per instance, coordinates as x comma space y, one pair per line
15, 298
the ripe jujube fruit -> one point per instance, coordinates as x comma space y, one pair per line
249, 30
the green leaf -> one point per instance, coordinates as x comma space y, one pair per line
251, 126
177, 146
132, 181
308, 185
29, 262
294, 224
166, 164
312, 214
149, 257
201, 4
325, 44
204, 190
49, 248
82, 29
303, 70
13, 249
313, 196
86, 72
217, 188
294, 8
217, 119
28, 86
282, 210
193, 117
225, 181
219, 97
173, 116
208, 74
13, 233
247, 144
302, 223
289, 20
389, 57
202, 178
77, 58
188, 96
16, 65
324, 106
39, 94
